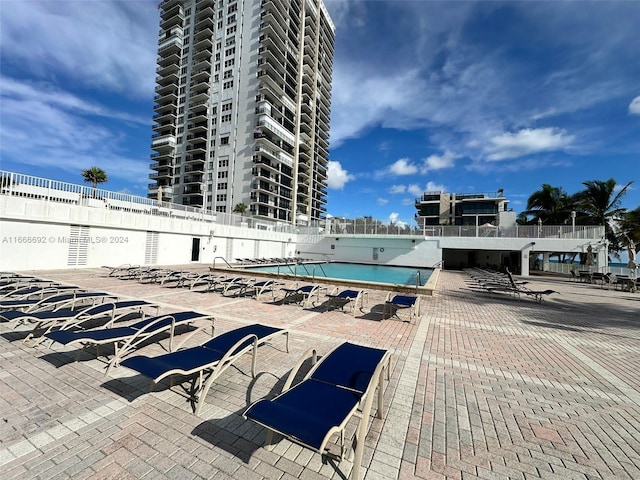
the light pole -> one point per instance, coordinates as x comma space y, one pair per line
539, 227
573, 221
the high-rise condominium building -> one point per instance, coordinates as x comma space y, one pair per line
242, 106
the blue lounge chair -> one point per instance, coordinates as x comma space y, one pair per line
401, 302
256, 289
302, 295
68, 319
207, 361
34, 291
126, 339
339, 387
346, 298
56, 302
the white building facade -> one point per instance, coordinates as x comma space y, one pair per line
243, 96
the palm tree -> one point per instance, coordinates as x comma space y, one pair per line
240, 208
630, 225
601, 205
94, 175
550, 204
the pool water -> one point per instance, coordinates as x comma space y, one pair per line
354, 271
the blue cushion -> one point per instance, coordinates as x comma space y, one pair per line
306, 412
350, 366
403, 301
196, 357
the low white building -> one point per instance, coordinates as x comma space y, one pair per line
45, 224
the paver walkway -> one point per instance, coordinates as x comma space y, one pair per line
483, 386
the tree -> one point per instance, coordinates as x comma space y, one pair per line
601, 205
94, 176
630, 225
240, 208
550, 204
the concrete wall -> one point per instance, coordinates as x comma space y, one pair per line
36, 234
390, 250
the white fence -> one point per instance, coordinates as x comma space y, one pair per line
17, 184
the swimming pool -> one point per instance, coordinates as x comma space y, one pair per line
386, 274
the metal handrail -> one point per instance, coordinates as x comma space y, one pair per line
221, 258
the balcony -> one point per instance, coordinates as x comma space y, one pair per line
170, 45
169, 79
201, 75
197, 148
170, 69
168, 59
203, 33
192, 190
171, 17
199, 127
199, 96
170, 97
164, 109
192, 179
163, 143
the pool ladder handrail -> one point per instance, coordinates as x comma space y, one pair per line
221, 258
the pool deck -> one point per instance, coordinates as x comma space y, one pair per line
482, 386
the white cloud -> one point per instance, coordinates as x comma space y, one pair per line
526, 142
415, 190
382, 201
337, 177
439, 162
397, 189
47, 94
403, 166
63, 132
108, 45
634, 106
435, 187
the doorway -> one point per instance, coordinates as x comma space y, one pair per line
195, 249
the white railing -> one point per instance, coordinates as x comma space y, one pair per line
27, 186
369, 226
17, 184
566, 268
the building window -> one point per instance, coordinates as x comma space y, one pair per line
229, 63
231, 30
230, 51
227, 85
223, 163
222, 186
221, 209
225, 118
224, 140
223, 174
221, 197
226, 107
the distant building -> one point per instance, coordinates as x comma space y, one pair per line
242, 106
440, 208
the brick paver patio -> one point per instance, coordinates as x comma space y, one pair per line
482, 386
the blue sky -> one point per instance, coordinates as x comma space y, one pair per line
455, 96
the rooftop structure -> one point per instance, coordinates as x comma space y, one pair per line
440, 208
243, 96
